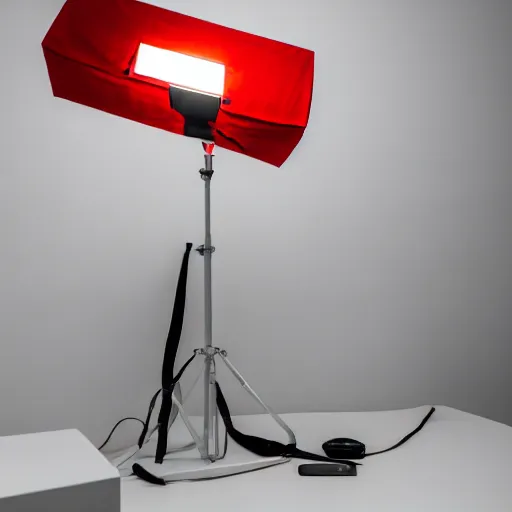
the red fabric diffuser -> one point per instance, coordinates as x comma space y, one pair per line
92, 45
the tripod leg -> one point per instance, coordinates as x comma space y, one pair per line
199, 443
245, 385
213, 441
174, 409
174, 414
194, 384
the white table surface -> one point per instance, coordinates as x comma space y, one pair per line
458, 462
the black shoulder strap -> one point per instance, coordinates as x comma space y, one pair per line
173, 337
266, 447
171, 349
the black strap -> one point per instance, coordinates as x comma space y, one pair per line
144, 474
267, 447
144, 432
155, 396
161, 446
171, 349
176, 325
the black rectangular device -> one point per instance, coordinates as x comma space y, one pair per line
327, 470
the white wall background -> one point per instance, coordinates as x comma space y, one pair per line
373, 271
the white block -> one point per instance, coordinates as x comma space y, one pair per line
56, 471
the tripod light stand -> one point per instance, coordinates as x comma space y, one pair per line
208, 445
243, 92
199, 109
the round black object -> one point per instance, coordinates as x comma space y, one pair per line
344, 448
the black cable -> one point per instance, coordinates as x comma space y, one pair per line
117, 425
408, 436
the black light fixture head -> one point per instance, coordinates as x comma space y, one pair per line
199, 110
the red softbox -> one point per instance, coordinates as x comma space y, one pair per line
90, 51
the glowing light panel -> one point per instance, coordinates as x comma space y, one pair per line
180, 70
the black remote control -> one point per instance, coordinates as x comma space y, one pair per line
327, 470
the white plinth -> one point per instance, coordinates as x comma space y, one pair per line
56, 471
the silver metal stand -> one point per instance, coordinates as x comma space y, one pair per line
211, 416
208, 444
211, 434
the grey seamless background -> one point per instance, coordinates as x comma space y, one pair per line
373, 271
